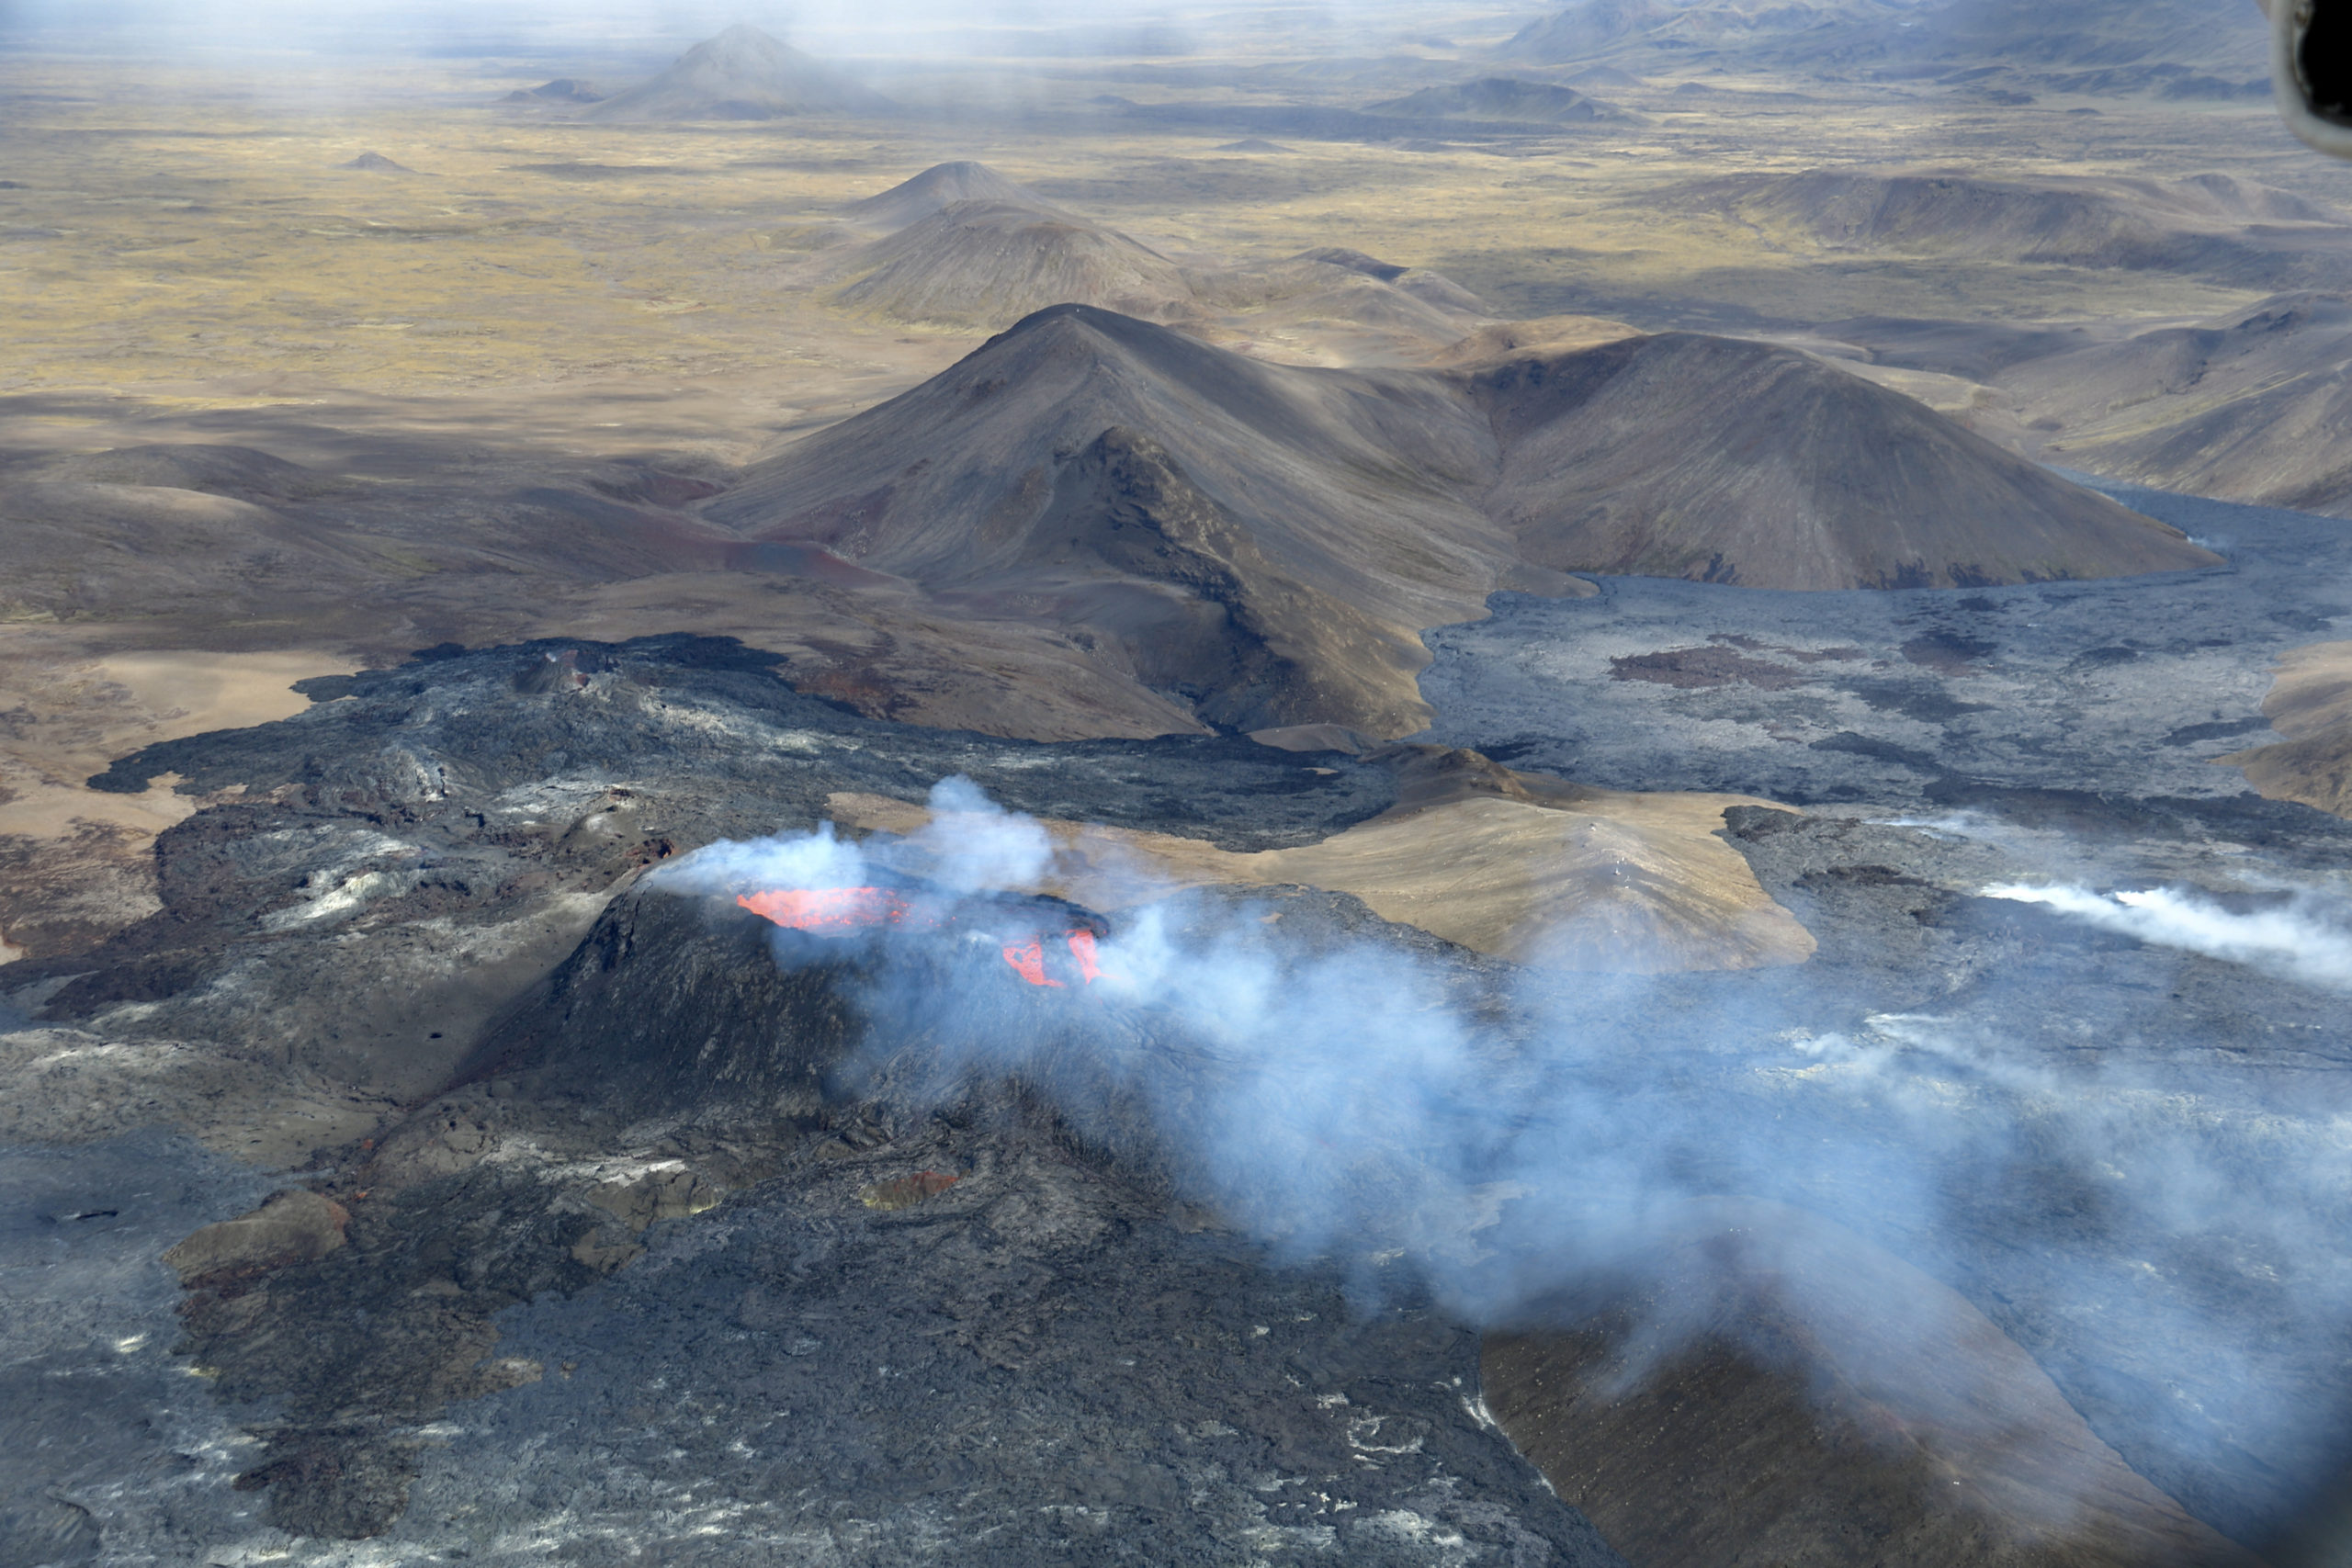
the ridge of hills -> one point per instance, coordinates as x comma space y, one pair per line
2255, 407
1269, 541
963, 246
2252, 405
2081, 45
743, 74
2218, 226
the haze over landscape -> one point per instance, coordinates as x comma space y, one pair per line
1423, 783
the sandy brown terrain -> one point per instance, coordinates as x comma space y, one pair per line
2311, 705
1524, 867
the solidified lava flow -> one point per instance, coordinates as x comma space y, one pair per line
839, 911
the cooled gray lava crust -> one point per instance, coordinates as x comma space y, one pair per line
2127, 687
1055, 1355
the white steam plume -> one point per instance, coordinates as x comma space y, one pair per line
2296, 942
1357, 1101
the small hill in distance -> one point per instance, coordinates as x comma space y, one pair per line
562, 90
1252, 144
376, 163
2253, 406
1506, 99
244, 473
742, 74
943, 185
980, 263
1724, 460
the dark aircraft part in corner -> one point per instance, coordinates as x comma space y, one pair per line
2311, 70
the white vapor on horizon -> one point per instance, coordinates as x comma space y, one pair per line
2292, 940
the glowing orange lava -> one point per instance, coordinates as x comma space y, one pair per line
831, 910
827, 908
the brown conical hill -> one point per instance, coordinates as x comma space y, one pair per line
942, 186
742, 74
989, 264
1268, 540
1730, 461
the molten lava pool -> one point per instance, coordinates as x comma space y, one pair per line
1052, 958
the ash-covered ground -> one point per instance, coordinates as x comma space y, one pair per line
649, 1253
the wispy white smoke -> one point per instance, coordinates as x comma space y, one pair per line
1503, 1142
802, 860
2294, 941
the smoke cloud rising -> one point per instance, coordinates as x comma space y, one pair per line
2296, 942
1499, 1138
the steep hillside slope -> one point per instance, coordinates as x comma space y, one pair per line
1268, 542
1684, 456
2255, 406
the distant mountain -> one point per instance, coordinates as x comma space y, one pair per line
742, 74
1502, 98
942, 186
1268, 542
376, 163
1585, 30
2091, 33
